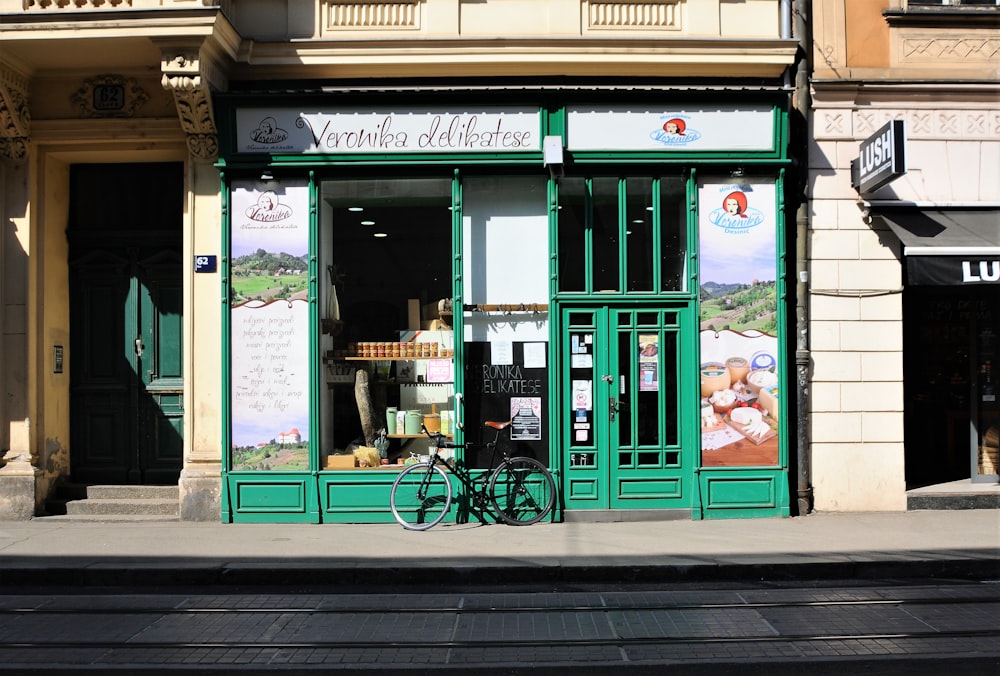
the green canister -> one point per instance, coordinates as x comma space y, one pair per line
414, 420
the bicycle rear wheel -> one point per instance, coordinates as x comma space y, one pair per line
522, 491
420, 496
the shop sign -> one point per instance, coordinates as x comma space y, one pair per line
952, 270
487, 130
881, 158
616, 128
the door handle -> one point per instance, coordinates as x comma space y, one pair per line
138, 347
608, 378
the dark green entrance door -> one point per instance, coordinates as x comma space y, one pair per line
623, 404
126, 381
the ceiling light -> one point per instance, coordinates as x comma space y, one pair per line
367, 222
380, 234
355, 208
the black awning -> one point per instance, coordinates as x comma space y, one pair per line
947, 246
944, 232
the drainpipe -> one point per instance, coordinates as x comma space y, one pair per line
801, 10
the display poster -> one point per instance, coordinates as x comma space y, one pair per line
649, 360
269, 319
739, 323
526, 418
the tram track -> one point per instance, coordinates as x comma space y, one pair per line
454, 629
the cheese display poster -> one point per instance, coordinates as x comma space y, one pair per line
269, 320
738, 316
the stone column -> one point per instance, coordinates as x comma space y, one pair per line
18, 477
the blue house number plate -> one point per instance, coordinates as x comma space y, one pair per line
204, 263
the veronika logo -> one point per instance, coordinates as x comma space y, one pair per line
268, 132
736, 216
268, 209
674, 132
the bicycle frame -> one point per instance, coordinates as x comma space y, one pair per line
476, 492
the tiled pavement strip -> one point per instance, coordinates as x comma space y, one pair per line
626, 628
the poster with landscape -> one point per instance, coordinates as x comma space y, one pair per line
738, 316
269, 322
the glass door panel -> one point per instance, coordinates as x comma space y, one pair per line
623, 409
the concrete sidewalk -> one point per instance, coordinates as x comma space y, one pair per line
951, 543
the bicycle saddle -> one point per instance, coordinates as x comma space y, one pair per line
497, 425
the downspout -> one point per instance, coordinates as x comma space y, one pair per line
802, 102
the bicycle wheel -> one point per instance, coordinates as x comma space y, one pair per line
522, 491
420, 496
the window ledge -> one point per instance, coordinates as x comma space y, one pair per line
946, 16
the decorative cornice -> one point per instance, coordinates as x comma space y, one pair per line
15, 117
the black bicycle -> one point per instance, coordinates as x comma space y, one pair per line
520, 490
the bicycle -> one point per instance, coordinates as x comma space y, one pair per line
519, 490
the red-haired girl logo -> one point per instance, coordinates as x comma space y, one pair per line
735, 214
268, 132
675, 132
268, 209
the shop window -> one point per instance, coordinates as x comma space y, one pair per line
622, 235
386, 251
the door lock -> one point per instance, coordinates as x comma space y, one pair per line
138, 347
612, 408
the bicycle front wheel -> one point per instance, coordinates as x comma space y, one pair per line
420, 496
522, 491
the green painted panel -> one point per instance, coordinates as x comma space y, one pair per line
583, 489
353, 496
356, 492
650, 488
270, 496
745, 492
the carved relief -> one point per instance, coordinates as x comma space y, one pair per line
15, 118
932, 123
926, 49
76, 4
109, 96
623, 14
367, 15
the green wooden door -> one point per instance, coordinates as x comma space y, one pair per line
126, 382
125, 356
622, 396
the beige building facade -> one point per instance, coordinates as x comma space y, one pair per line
889, 409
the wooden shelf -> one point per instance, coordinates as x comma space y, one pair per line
390, 358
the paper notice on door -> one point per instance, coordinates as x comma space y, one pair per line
501, 352
534, 355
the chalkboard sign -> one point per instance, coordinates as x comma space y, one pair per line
506, 391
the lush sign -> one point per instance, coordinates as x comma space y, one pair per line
881, 158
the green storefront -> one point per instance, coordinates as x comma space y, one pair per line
609, 276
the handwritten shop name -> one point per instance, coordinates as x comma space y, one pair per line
444, 132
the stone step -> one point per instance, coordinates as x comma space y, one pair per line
133, 492
79, 499
151, 506
112, 518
